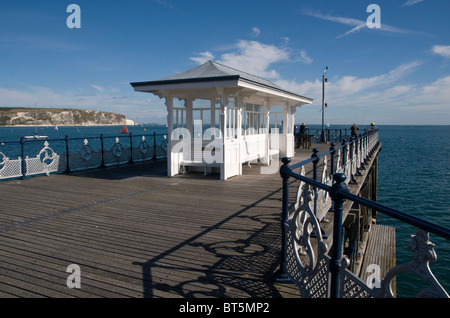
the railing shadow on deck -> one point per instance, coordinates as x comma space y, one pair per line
244, 268
321, 271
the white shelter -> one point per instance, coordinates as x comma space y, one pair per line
220, 118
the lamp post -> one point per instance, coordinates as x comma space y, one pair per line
322, 135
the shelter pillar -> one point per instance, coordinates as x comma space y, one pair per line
287, 138
172, 169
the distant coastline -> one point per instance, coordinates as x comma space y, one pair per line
42, 117
81, 125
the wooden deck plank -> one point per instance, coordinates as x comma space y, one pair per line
135, 232
119, 232
380, 251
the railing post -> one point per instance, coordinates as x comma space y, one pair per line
281, 276
336, 262
315, 164
363, 150
333, 169
358, 152
131, 149
352, 154
67, 155
344, 155
24, 165
333, 152
154, 145
103, 151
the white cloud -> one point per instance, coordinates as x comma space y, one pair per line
411, 3
442, 50
436, 94
97, 87
256, 58
399, 90
311, 89
304, 58
203, 57
410, 103
387, 98
357, 25
256, 31
41, 42
343, 89
349, 85
138, 107
165, 3
348, 96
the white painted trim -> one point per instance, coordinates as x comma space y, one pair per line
189, 85
272, 92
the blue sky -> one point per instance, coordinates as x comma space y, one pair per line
396, 74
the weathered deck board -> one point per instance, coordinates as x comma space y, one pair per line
135, 232
380, 251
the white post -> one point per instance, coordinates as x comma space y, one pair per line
267, 133
169, 105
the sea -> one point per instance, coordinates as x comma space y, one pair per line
413, 177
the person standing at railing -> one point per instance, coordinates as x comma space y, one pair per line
300, 136
302, 129
354, 130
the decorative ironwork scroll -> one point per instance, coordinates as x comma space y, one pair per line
117, 149
423, 254
10, 168
66, 156
143, 146
324, 202
46, 161
306, 261
86, 151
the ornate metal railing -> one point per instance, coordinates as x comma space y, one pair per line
45, 156
321, 271
331, 134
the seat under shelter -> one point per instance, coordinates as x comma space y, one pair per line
220, 118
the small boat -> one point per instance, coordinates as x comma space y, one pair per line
124, 130
36, 136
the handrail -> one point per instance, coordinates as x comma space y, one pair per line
46, 160
335, 148
339, 192
330, 134
401, 216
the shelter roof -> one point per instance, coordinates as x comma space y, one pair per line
212, 69
215, 74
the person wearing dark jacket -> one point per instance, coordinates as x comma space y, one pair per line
354, 129
303, 129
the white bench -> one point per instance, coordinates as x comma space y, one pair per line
194, 162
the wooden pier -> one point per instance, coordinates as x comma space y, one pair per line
134, 232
